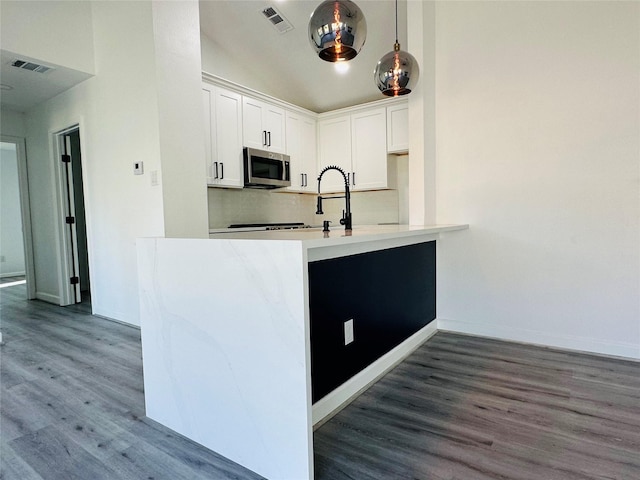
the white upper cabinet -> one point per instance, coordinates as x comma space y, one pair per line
357, 143
369, 149
398, 128
301, 147
223, 136
334, 148
356, 139
263, 125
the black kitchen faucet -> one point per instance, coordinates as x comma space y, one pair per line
346, 219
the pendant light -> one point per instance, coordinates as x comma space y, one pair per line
397, 71
337, 30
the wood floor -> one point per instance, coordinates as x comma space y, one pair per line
72, 407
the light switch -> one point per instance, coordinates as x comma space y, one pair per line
138, 168
348, 332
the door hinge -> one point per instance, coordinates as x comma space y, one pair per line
66, 158
70, 220
74, 280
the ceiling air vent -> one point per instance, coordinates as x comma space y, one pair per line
33, 67
276, 19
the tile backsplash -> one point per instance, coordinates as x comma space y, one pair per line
229, 206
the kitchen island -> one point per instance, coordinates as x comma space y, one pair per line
249, 339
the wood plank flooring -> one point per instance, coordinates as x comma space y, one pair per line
72, 407
471, 408
72, 402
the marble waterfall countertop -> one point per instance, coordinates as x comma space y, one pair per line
315, 237
226, 341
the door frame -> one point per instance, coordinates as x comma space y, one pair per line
25, 212
67, 243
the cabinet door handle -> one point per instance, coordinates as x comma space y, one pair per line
269, 136
306, 180
302, 179
221, 170
349, 178
215, 169
354, 179
264, 138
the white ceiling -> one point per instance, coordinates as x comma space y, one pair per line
286, 61
23, 89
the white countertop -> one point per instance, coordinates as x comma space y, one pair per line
315, 237
205, 303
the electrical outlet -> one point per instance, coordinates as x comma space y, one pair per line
348, 332
154, 178
138, 168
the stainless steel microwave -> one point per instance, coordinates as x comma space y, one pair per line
263, 169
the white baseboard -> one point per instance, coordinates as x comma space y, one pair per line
546, 339
126, 324
332, 403
114, 315
47, 297
12, 274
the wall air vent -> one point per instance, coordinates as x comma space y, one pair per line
276, 19
33, 67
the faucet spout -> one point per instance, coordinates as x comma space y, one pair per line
346, 219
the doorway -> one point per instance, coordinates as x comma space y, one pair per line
76, 283
16, 248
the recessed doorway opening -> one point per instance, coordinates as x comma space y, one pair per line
75, 278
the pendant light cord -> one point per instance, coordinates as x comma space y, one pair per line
396, 21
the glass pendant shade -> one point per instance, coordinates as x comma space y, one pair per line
337, 30
396, 73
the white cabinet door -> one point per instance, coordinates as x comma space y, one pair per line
253, 134
301, 147
223, 137
263, 125
369, 149
207, 110
398, 128
274, 124
228, 139
334, 148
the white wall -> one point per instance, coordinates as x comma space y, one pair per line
230, 65
538, 149
11, 241
422, 118
12, 123
119, 115
56, 32
176, 28
218, 62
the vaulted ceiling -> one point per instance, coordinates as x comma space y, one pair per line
287, 63
239, 32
